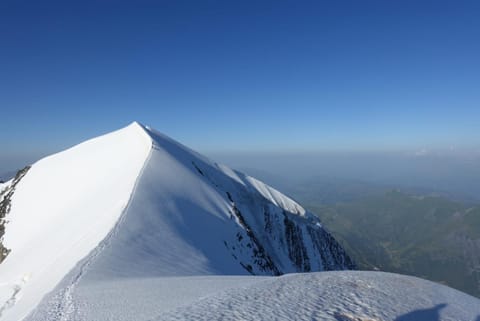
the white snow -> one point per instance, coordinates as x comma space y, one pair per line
177, 222
336, 296
174, 225
4, 185
147, 298
62, 209
275, 196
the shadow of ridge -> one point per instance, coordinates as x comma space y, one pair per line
432, 314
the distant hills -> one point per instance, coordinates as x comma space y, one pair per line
430, 237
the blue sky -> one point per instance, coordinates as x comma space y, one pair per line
242, 75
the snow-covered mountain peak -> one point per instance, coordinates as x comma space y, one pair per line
136, 203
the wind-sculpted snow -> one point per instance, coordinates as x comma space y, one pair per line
329, 296
336, 296
137, 299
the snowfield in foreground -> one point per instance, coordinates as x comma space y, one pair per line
336, 296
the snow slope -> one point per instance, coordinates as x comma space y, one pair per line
136, 204
338, 295
197, 214
335, 296
4, 185
61, 210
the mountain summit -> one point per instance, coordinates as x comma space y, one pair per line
136, 204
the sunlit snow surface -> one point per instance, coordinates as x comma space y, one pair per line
61, 210
339, 296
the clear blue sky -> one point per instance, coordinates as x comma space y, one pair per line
242, 75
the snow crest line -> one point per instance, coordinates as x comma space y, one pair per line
66, 306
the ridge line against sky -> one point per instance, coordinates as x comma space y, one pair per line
247, 75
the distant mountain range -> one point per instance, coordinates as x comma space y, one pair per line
430, 237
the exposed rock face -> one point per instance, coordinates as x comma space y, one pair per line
5, 205
273, 240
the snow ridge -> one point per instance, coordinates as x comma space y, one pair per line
136, 204
67, 305
61, 210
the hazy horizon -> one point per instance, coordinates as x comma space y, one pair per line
454, 173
